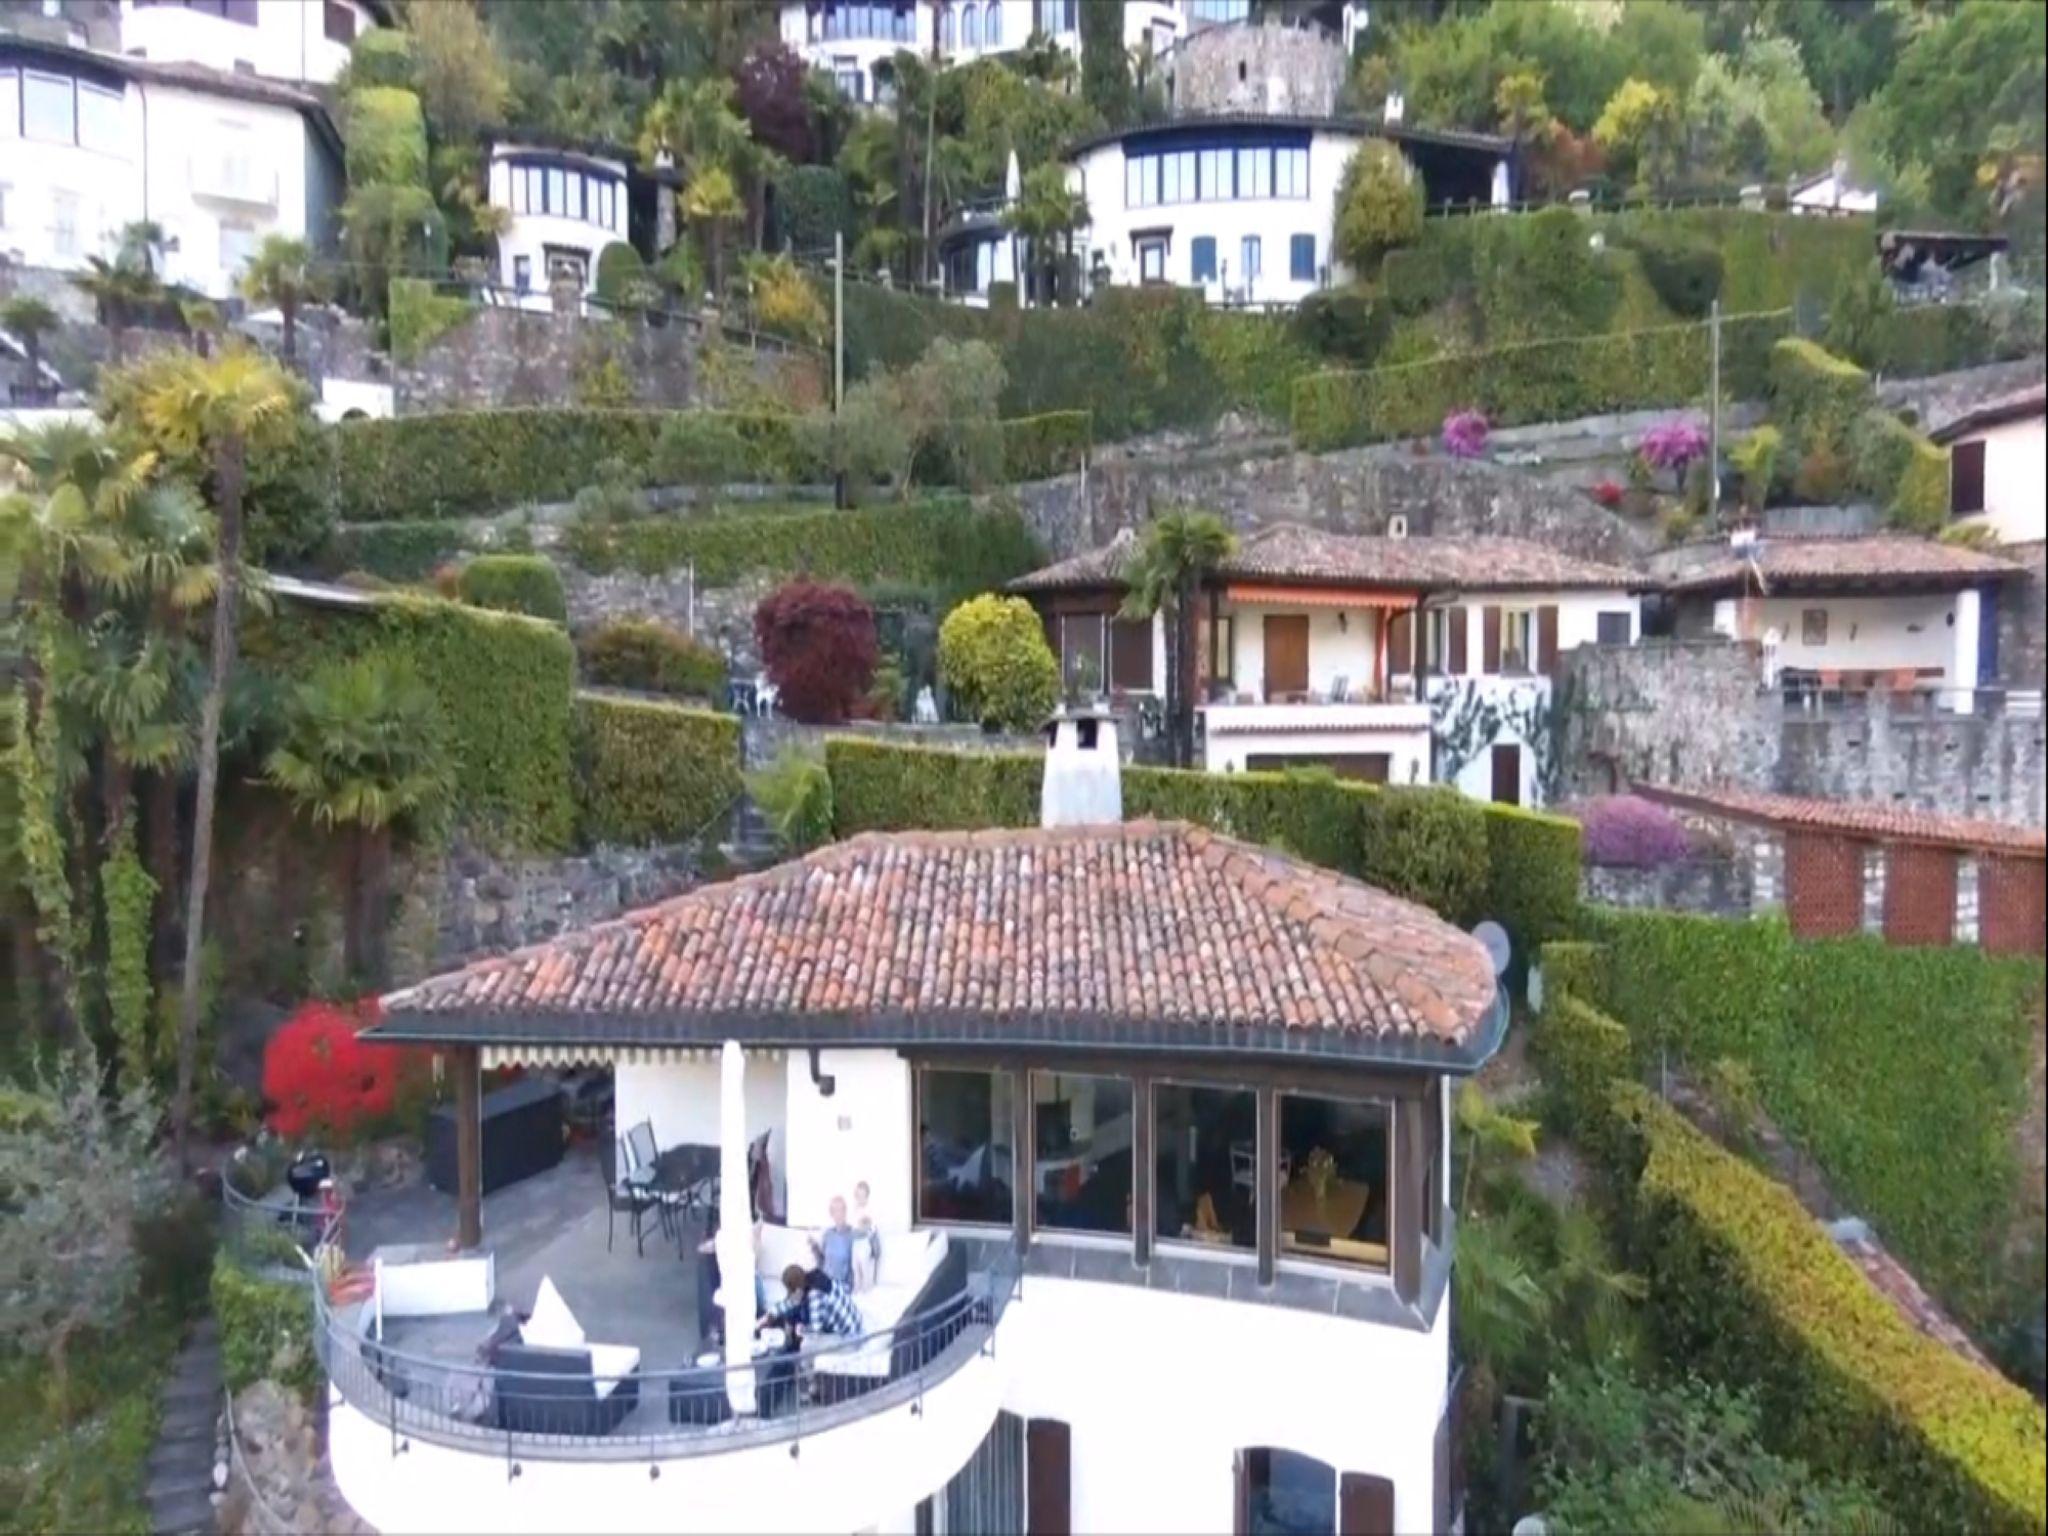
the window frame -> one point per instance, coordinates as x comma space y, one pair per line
1147, 247
46, 77
1607, 618
1019, 1158
1389, 1111
1813, 628
1514, 617
1228, 1251
1296, 243
1972, 453
1251, 257
1128, 1233
1197, 247
329, 10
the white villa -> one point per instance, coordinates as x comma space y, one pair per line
1998, 467
1146, 1217
1395, 660
303, 41
567, 203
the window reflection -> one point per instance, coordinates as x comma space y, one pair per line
1204, 1143
966, 1165
1081, 1152
1333, 1179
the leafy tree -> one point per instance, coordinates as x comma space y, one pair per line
459, 73
773, 98
711, 202
794, 793
1639, 129
1177, 552
362, 752
818, 644
950, 397
389, 231
785, 302
994, 661
28, 319
1857, 317
215, 408
1046, 213
1379, 206
281, 273
1105, 67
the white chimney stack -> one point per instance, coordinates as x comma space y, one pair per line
1396, 105
1083, 772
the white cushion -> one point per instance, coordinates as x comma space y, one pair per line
908, 1258
610, 1364
883, 1306
553, 1325
782, 1247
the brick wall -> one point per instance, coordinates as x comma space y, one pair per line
1919, 894
1824, 884
2010, 913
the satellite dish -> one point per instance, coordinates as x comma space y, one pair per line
1494, 940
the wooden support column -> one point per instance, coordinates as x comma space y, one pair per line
1411, 1174
1266, 1182
466, 1063
1143, 1169
1023, 1179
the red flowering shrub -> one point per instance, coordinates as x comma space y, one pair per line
1609, 493
818, 644
319, 1078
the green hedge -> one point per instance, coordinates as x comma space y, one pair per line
1816, 397
387, 137
504, 683
395, 551
1902, 470
527, 584
1685, 271
1750, 1289
946, 544
1582, 1053
264, 1324
1427, 843
651, 772
1902, 1070
1574, 968
1532, 381
1052, 443
418, 316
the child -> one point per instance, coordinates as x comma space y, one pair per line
867, 1252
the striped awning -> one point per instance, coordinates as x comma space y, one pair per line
572, 1055
1317, 597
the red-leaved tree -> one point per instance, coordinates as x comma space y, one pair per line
771, 98
319, 1077
818, 644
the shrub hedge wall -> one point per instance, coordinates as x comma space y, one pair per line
527, 584
259, 1320
649, 772
409, 551
1751, 1289
1429, 844
1816, 397
1902, 470
504, 683
1902, 1070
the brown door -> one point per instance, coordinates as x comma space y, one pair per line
1130, 655
1507, 775
1365, 1505
1048, 1478
1286, 654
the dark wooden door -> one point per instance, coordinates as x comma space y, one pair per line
1507, 775
1286, 654
1048, 1478
1365, 1505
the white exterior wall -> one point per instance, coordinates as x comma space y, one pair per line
865, 1131
531, 234
196, 163
1401, 731
681, 1099
1863, 633
1348, 650
1162, 1390
943, 29
1099, 176
2015, 481
288, 42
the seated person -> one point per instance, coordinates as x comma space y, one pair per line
811, 1304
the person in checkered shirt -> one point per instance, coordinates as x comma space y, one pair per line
814, 1303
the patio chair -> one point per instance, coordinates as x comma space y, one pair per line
621, 1193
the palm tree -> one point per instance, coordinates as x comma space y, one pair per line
1047, 212
29, 319
362, 751
282, 273
118, 292
1179, 549
711, 202
212, 408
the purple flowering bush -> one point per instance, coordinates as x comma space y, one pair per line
1628, 832
1465, 434
1673, 444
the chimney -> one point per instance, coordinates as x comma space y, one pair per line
1083, 772
1396, 105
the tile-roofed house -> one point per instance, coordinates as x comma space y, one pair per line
1096, 936
1872, 562
1998, 466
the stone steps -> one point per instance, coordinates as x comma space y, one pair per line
179, 1487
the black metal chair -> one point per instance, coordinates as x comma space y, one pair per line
635, 1200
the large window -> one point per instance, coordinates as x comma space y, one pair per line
852, 20
10, 103
1290, 173
1517, 640
1217, 174
564, 192
1080, 1152
1301, 258
1205, 1184
48, 112
1287, 1494
1251, 263
1334, 1185
966, 1165
1202, 253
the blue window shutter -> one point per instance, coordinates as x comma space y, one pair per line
1301, 260
1204, 253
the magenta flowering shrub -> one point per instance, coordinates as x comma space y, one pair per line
1673, 444
1465, 434
1628, 832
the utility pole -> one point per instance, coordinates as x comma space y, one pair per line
838, 318
1714, 415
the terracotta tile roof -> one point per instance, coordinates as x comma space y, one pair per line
1296, 553
1865, 818
1873, 560
2017, 406
1146, 932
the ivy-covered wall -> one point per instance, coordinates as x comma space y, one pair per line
650, 772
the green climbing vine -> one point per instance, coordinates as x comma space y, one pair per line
128, 892
35, 753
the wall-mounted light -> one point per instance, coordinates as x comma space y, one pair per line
1343, 622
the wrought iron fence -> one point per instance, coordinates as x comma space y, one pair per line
596, 1403
273, 1232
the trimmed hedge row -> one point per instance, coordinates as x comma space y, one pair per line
504, 684
261, 1320
527, 584
650, 772
1826, 404
944, 543
409, 551
1532, 381
1751, 1289
1902, 1070
1430, 844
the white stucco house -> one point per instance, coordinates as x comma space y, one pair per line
1830, 194
304, 41
1878, 614
1140, 1232
1394, 660
1998, 467
567, 203
91, 142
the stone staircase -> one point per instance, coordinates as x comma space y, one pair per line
751, 843
187, 1467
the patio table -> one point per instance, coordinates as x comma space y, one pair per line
687, 1170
